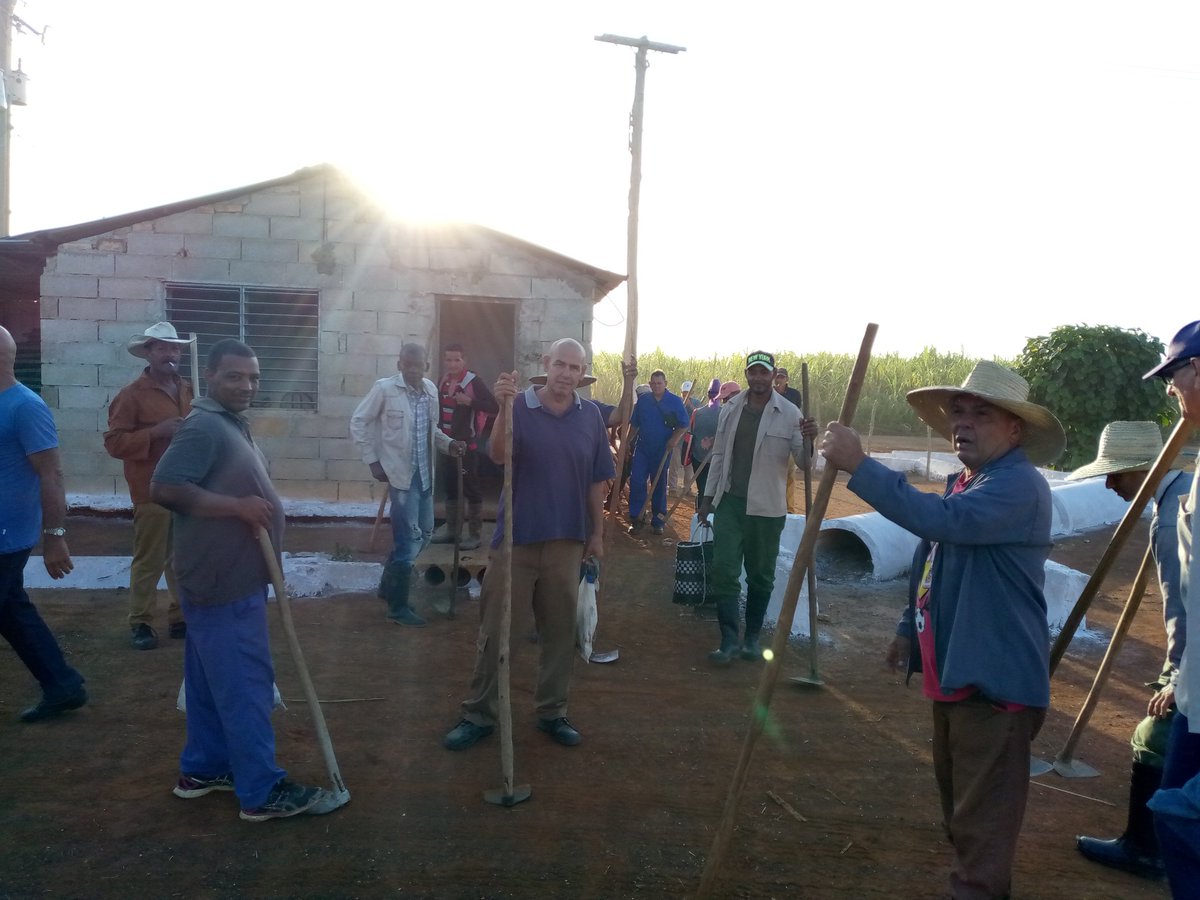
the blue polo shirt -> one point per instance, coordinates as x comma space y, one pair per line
656, 420
556, 460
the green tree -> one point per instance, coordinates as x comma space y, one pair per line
1090, 375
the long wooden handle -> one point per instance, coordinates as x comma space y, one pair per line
814, 641
503, 686
458, 462
695, 476
1110, 657
1160, 468
783, 628
378, 518
306, 683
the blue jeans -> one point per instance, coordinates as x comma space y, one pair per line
228, 676
412, 521
22, 626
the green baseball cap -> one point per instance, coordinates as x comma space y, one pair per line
760, 358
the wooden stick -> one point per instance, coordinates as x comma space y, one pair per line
378, 518
1161, 465
458, 462
195, 365
1066, 754
341, 794
766, 685
506, 549
814, 642
1051, 787
700, 468
787, 806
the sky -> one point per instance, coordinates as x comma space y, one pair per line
965, 175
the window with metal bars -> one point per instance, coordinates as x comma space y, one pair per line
279, 324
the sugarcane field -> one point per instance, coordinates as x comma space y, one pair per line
839, 801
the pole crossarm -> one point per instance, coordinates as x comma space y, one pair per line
642, 43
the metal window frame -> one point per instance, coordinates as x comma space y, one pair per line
288, 351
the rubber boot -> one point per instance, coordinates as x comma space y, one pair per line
474, 527
1135, 851
447, 533
385, 583
756, 609
397, 598
727, 618
750, 647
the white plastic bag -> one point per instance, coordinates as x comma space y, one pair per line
585, 611
701, 531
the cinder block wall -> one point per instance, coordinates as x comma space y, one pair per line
383, 290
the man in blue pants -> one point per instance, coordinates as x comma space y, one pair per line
659, 422
214, 480
33, 501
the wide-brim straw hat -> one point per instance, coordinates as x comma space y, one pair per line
583, 382
160, 331
1124, 447
1044, 438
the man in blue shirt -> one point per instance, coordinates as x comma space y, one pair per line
561, 465
34, 504
659, 422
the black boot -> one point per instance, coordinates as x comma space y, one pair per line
397, 596
756, 609
727, 618
1136, 851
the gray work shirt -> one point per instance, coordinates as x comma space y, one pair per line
218, 560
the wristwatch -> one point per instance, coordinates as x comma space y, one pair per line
55, 532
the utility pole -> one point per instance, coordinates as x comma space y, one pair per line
6, 26
635, 190
635, 178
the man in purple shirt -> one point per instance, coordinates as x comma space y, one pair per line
561, 464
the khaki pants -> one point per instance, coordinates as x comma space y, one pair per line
981, 762
545, 577
151, 555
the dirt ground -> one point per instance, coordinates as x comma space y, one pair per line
86, 809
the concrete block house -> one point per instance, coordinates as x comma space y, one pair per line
308, 271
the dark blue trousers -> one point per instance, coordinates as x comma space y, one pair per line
1179, 836
22, 626
228, 676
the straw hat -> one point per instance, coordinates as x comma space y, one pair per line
1124, 447
161, 331
1044, 438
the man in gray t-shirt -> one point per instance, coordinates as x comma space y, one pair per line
214, 480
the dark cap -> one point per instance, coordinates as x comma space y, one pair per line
1183, 346
782, 371
760, 358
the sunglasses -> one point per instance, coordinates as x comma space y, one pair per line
1169, 375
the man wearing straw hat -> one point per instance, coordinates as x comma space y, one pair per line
142, 419
1176, 806
1127, 452
976, 605
561, 464
214, 480
759, 433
